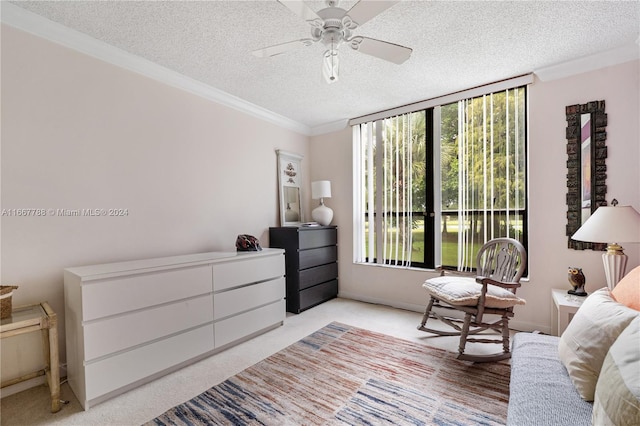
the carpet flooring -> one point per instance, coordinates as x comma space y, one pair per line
343, 375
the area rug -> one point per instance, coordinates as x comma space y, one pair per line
343, 375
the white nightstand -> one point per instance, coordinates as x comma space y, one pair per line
566, 305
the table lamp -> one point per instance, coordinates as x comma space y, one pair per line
322, 214
612, 225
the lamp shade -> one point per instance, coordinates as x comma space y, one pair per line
321, 189
618, 224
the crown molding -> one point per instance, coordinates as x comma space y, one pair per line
32, 23
329, 127
626, 53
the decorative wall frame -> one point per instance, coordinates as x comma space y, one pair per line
289, 184
586, 167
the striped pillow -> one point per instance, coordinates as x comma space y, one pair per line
617, 400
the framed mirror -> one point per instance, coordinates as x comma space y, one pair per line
586, 167
289, 184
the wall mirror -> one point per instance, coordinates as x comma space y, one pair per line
586, 167
289, 183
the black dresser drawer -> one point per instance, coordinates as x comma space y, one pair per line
312, 238
318, 294
317, 257
319, 274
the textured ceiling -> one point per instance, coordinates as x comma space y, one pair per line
456, 45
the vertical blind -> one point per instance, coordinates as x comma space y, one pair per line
383, 185
491, 136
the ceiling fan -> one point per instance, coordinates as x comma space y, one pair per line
333, 26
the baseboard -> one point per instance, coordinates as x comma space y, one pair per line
31, 383
385, 302
514, 324
22, 386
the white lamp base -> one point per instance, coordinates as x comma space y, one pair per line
614, 267
322, 214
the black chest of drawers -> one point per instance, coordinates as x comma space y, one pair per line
311, 256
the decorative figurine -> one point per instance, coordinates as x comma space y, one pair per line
577, 281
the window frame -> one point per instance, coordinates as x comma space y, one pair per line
432, 244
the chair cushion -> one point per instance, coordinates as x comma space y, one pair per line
627, 291
617, 399
465, 291
586, 341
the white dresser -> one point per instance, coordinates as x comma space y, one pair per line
128, 323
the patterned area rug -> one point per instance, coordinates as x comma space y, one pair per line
342, 375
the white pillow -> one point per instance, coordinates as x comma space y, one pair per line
465, 291
617, 399
586, 341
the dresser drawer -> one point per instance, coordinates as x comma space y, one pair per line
317, 257
318, 294
234, 274
239, 326
114, 296
112, 373
244, 298
109, 335
317, 238
319, 274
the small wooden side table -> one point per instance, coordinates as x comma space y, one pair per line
31, 318
566, 305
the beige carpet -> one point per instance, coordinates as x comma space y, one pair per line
142, 404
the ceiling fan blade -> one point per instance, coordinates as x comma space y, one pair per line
282, 48
365, 10
381, 49
300, 8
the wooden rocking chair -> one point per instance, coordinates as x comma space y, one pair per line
500, 264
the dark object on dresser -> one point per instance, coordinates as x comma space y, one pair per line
246, 242
311, 258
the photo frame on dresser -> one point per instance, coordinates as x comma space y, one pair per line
290, 188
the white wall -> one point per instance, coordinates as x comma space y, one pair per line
78, 133
549, 256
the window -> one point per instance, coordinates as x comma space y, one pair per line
393, 176
434, 185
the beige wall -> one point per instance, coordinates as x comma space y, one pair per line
78, 133
548, 256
